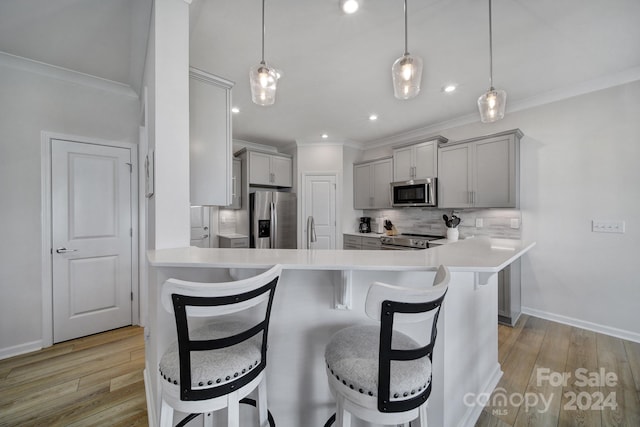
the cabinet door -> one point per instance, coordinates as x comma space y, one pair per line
495, 179
362, 197
209, 140
402, 164
454, 181
381, 178
426, 160
281, 169
259, 169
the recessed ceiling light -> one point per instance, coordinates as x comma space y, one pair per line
449, 88
324, 136
373, 117
349, 6
235, 110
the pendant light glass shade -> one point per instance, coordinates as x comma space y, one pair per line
407, 75
493, 102
406, 70
263, 79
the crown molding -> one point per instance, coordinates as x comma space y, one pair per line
583, 88
325, 143
64, 74
251, 146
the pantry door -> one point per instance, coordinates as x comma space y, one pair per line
320, 203
92, 238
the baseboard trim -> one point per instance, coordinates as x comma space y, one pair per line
19, 349
151, 404
595, 327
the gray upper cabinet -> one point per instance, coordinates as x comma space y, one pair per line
480, 172
271, 170
210, 149
416, 161
371, 184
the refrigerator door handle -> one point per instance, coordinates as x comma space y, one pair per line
274, 227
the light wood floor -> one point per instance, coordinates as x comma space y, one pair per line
535, 347
97, 380
91, 381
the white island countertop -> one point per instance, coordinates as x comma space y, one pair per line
482, 254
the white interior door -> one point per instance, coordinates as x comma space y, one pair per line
91, 234
320, 202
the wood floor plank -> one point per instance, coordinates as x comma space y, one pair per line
517, 368
106, 337
124, 412
508, 336
543, 397
612, 357
117, 352
104, 376
582, 355
488, 420
633, 356
7, 365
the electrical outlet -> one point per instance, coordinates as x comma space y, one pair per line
607, 226
515, 223
479, 223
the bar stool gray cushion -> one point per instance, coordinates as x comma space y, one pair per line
352, 357
214, 367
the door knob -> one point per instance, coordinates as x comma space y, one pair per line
65, 250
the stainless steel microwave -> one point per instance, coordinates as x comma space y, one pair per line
417, 192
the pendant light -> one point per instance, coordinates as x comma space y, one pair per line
263, 78
493, 102
407, 70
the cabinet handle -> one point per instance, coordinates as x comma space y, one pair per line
233, 187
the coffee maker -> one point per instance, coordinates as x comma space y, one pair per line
365, 224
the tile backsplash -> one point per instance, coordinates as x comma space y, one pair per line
505, 223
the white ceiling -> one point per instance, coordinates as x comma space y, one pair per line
337, 68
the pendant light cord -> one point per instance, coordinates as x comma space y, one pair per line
490, 50
406, 37
263, 32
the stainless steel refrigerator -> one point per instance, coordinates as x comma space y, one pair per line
273, 220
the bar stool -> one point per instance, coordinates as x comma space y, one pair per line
379, 374
221, 353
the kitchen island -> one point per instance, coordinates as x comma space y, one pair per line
323, 291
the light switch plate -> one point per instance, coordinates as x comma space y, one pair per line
608, 226
479, 223
515, 223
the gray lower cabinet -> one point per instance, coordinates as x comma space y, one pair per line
233, 241
349, 241
509, 305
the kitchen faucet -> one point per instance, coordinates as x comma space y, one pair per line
311, 231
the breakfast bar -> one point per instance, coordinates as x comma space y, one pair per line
323, 291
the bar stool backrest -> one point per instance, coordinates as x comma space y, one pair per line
196, 299
391, 303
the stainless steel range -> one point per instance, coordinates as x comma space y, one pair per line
407, 241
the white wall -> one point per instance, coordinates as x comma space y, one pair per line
39, 98
171, 208
579, 161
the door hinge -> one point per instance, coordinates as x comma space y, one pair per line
131, 296
131, 232
130, 167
